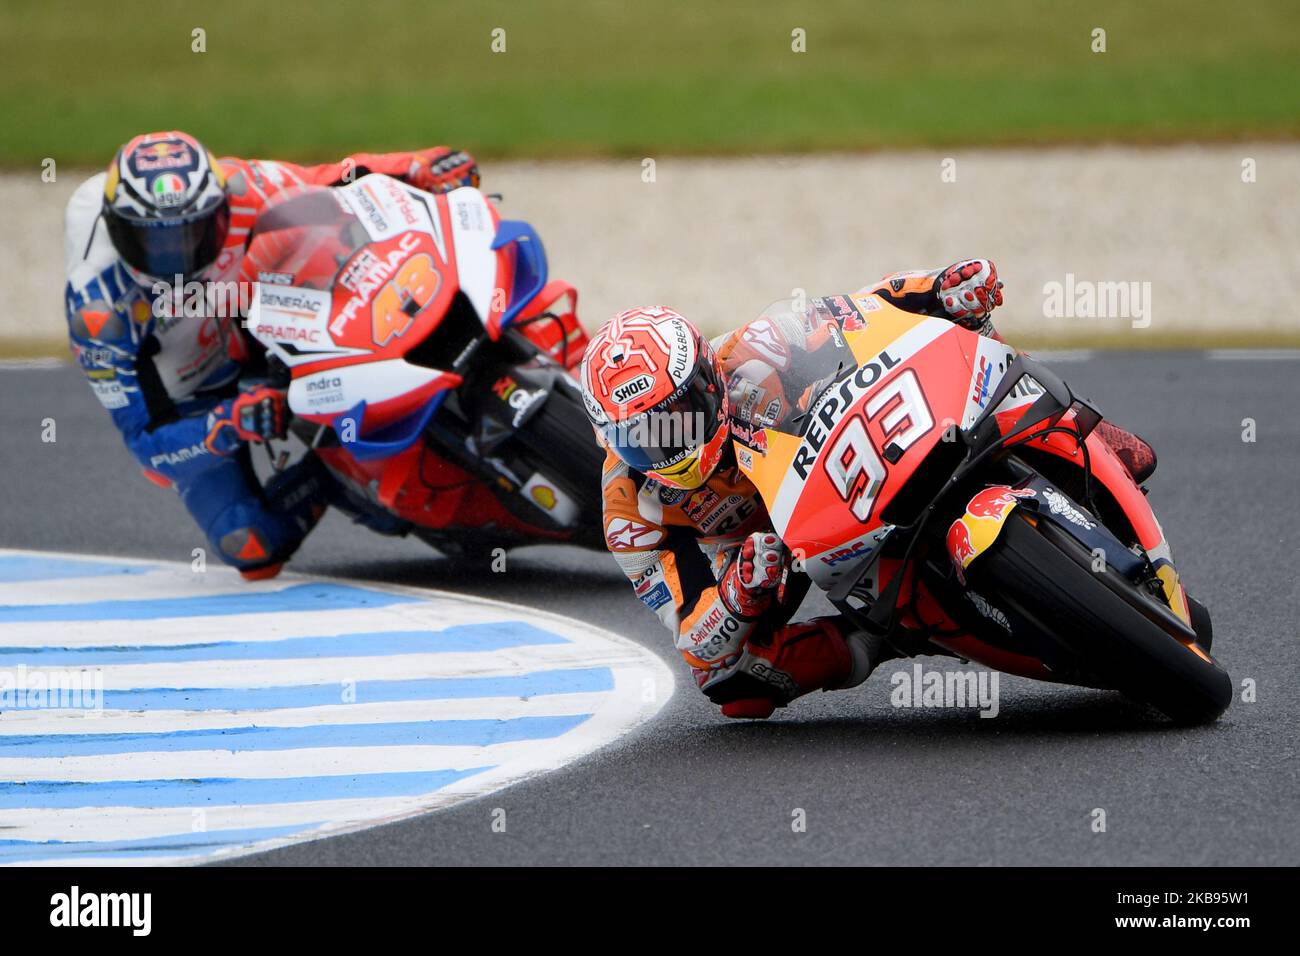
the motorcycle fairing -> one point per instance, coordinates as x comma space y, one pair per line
292, 322
385, 442
348, 347
878, 356
996, 392
390, 388
521, 250
1110, 472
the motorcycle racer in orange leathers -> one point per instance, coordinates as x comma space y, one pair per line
688, 527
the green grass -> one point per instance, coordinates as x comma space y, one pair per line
314, 80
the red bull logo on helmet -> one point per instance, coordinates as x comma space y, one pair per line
162, 156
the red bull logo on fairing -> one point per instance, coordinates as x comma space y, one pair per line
977, 529
994, 502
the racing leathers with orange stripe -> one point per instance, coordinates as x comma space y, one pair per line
678, 546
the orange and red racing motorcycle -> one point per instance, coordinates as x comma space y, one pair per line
949, 493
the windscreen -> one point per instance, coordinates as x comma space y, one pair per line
305, 239
784, 360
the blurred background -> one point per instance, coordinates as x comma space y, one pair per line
714, 157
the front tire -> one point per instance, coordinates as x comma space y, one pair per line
560, 439
1048, 589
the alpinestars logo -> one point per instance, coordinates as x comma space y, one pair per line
624, 534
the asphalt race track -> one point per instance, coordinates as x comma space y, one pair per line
877, 784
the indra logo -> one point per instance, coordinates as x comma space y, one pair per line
325, 392
629, 390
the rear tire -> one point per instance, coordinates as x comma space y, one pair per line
561, 441
1029, 575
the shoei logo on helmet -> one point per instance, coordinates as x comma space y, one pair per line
629, 390
168, 190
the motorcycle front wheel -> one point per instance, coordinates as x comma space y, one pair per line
1101, 619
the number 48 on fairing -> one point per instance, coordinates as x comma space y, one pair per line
853, 465
403, 297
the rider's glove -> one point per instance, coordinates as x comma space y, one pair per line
258, 414
753, 574
440, 170
969, 291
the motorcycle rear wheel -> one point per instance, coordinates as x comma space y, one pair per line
1031, 576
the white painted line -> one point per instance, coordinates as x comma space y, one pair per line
1254, 355
136, 823
213, 752
166, 632
136, 861
163, 583
259, 765
336, 671
35, 722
